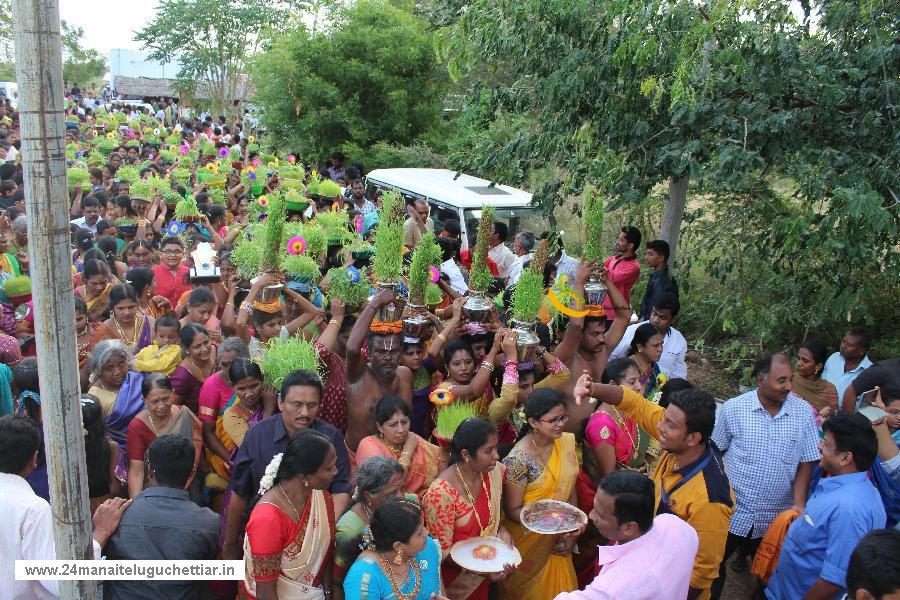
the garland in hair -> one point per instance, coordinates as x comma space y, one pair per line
268, 478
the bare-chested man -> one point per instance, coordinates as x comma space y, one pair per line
367, 383
585, 346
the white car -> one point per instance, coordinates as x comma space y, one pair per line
454, 195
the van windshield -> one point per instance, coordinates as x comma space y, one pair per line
517, 219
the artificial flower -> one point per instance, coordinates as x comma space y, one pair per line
353, 274
435, 274
223, 152
297, 245
263, 201
175, 228
441, 397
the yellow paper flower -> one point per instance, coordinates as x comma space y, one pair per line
147, 130
111, 135
251, 139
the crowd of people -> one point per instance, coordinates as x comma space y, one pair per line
335, 482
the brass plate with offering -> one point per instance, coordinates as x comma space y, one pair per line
551, 517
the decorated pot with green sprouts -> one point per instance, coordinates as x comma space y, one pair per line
478, 307
350, 286
78, 177
285, 355
388, 262
126, 226
527, 300
187, 210
18, 289
592, 215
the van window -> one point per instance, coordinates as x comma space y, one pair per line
517, 219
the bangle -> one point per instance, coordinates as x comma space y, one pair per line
486, 365
332, 322
442, 337
247, 307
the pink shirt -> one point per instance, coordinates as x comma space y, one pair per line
655, 566
624, 272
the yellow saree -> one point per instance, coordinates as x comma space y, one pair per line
542, 574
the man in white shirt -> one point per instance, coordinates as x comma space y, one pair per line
524, 245
90, 210
671, 361
498, 251
26, 530
842, 367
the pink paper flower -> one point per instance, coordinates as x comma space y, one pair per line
223, 152
297, 245
435, 274
185, 149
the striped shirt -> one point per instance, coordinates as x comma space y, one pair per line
762, 454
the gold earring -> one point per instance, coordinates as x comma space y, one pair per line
398, 560
306, 483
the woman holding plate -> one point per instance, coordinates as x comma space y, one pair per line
541, 466
464, 502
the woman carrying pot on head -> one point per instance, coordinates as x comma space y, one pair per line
421, 460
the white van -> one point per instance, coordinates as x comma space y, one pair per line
454, 195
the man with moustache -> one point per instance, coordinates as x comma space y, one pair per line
770, 441
653, 554
587, 345
689, 480
298, 403
369, 382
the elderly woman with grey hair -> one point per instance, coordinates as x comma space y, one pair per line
117, 387
377, 478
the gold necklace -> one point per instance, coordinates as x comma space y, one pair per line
398, 593
289, 501
153, 424
198, 369
134, 333
624, 427
537, 450
395, 450
485, 531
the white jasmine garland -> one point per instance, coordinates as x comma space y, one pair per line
268, 478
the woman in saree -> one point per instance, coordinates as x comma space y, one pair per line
198, 364
149, 303
290, 533
159, 417
465, 380
95, 288
376, 480
807, 381
403, 562
420, 459
645, 350
84, 330
118, 389
541, 466
465, 502
126, 322
216, 395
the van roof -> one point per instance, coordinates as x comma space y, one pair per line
449, 187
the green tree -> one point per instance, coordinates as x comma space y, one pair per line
80, 65
213, 40
629, 94
371, 77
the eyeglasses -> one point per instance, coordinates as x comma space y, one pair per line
560, 420
172, 252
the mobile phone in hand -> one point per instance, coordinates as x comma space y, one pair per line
865, 399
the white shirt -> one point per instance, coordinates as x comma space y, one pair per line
516, 268
26, 533
457, 281
503, 257
11, 154
567, 266
82, 222
671, 361
833, 372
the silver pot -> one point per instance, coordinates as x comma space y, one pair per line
478, 307
270, 293
594, 291
527, 342
393, 312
